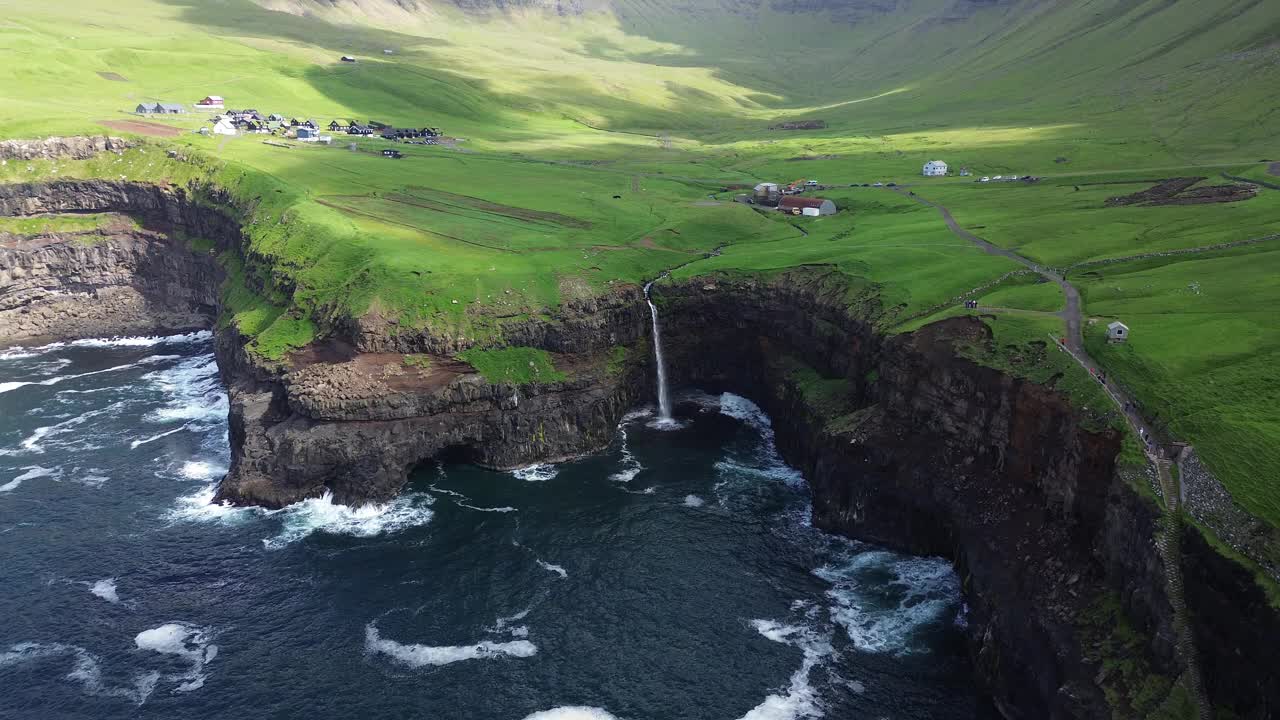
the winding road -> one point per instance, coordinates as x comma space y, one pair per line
1170, 484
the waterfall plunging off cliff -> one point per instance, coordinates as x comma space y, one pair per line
664, 397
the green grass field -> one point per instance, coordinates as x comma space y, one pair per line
603, 149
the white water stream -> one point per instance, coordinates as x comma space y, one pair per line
664, 396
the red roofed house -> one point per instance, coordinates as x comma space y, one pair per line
210, 102
813, 207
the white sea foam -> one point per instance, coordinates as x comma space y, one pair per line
105, 589
93, 478
485, 509
201, 470
32, 472
536, 473
693, 501
768, 463
200, 507
193, 390
148, 341
322, 514
417, 656
882, 617
507, 624
630, 466
576, 712
553, 568
34, 442
139, 443
6, 387
86, 670
184, 641
800, 699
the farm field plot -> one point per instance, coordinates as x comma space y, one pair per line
1054, 223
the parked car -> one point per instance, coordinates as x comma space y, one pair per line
985, 179
878, 185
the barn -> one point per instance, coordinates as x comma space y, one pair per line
935, 168
797, 205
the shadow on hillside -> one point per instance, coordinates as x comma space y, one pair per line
415, 87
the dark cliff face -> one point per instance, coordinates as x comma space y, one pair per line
903, 442
931, 453
118, 281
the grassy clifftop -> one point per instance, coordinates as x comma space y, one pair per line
596, 144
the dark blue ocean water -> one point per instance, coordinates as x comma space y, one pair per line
673, 576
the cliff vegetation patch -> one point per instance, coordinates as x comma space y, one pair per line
517, 365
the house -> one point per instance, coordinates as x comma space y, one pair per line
766, 193
813, 207
336, 126
935, 168
144, 109
348, 58
210, 102
1117, 332
357, 129
224, 127
306, 134
388, 51
273, 117
170, 109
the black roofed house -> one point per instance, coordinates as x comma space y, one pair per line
144, 109
348, 58
294, 122
310, 123
273, 117
336, 126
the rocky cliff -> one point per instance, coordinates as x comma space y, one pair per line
903, 441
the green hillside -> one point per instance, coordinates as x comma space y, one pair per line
599, 143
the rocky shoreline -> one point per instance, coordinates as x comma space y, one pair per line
904, 442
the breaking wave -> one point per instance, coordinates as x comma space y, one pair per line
200, 507
322, 514
882, 599
693, 501
536, 473
417, 656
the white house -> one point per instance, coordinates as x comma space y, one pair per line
935, 168
1117, 332
224, 126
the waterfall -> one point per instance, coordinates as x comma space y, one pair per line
664, 397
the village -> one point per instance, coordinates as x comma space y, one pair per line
251, 121
787, 197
